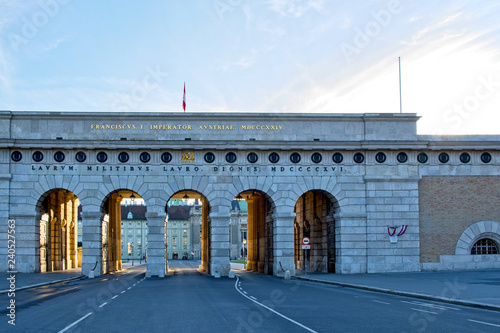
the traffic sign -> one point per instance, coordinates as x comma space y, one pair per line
306, 247
306, 241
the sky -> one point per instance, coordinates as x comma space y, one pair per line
271, 56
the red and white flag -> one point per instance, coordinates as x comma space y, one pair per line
184, 98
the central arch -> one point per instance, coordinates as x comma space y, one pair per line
187, 228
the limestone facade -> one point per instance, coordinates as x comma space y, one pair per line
346, 180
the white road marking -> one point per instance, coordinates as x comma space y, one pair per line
103, 304
424, 311
483, 322
134, 284
381, 302
129, 288
123, 291
76, 322
114, 297
244, 292
254, 298
273, 311
430, 305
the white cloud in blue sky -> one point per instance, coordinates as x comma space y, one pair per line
263, 55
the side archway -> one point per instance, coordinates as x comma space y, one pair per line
57, 212
314, 220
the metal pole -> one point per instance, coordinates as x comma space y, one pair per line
400, 99
305, 260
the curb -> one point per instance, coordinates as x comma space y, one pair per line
407, 294
43, 284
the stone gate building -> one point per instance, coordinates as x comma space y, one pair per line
371, 194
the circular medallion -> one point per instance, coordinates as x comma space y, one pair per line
231, 157
486, 157
209, 157
166, 157
295, 158
145, 157
59, 156
16, 156
274, 157
380, 157
422, 158
359, 158
316, 157
80, 156
37, 156
102, 157
252, 157
123, 157
337, 158
443, 158
402, 157
465, 158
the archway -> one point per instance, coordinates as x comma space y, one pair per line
258, 231
188, 229
59, 248
314, 219
117, 245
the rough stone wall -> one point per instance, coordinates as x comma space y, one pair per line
449, 205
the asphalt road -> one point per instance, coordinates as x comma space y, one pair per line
191, 302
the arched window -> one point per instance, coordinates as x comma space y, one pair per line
130, 216
484, 246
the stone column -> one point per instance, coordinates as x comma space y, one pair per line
91, 241
75, 233
118, 235
219, 241
283, 241
156, 245
44, 223
251, 234
204, 236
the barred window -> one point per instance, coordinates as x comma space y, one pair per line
484, 246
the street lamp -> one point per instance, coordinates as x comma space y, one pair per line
132, 246
244, 254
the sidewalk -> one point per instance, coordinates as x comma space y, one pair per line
30, 280
478, 288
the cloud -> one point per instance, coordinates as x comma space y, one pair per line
295, 8
54, 44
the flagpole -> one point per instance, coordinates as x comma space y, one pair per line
184, 98
400, 100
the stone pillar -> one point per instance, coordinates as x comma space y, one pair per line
75, 233
283, 241
219, 240
157, 262
44, 223
261, 234
91, 241
118, 235
204, 237
251, 234
105, 243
